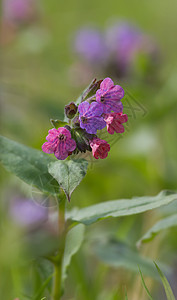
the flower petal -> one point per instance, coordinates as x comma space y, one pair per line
70, 145
61, 152
49, 147
106, 84
53, 133
83, 107
64, 131
95, 109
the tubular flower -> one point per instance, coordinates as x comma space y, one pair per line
59, 142
100, 148
109, 95
114, 122
90, 117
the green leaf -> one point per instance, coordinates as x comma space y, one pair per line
74, 240
68, 174
168, 290
57, 123
163, 224
28, 164
118, 208
143, 282
120, 255
42, 288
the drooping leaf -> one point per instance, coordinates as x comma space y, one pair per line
68, 174
118, 208
28, 164
57, 123
143, 282
168, 290
74, 240
120, 255
163, 224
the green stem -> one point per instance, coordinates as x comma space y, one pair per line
58, 259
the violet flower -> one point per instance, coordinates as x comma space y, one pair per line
109, 95
90, 44
59, 142
125, 42
90, 117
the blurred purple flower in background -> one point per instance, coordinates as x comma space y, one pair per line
26, 212
18, 11
90, 45
121, 50
127, 41
124, 40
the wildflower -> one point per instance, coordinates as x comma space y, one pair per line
100, 148
90, 117
90, 44
59, 142
109, 95
114, 122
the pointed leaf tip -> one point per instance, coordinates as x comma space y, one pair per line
69, 174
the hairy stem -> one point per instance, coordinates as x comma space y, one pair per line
58, 259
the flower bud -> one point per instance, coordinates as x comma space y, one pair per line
70, 110
82, 139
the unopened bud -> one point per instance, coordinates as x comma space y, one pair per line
70, 110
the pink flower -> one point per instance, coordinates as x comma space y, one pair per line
100, 148
114, 122
18, 10
59, 142
109, 95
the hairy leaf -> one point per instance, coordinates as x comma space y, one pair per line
118, 208
28, 164
68, 174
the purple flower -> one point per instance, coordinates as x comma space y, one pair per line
89, 43
90, 117
26, 212
123, 38
126, 42
59, 142
109, 95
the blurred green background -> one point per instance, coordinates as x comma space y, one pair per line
36, 61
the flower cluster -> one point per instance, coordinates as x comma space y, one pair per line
99, 107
